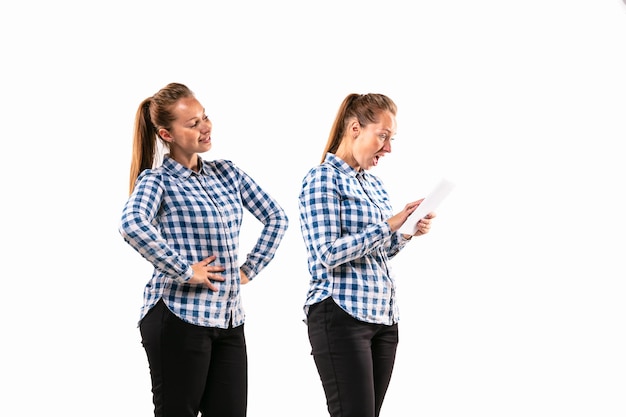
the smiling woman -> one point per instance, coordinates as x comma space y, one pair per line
184, 217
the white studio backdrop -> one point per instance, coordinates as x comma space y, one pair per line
511, 306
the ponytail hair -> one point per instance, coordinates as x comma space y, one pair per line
366, 108
153, 114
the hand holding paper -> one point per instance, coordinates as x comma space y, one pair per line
429, 204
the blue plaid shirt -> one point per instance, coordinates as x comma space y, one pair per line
176, 217
343, 216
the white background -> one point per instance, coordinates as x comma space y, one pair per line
513, 305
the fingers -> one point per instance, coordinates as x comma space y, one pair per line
209, 260
423, 226
206, 264
216, 277
243, 277
413, 205
212, 277
205, 273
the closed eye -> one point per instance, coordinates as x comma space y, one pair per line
196, 123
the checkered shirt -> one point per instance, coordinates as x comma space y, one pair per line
176, 217
343, 216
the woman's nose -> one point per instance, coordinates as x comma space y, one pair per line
206, 126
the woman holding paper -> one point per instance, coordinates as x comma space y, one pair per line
351, 233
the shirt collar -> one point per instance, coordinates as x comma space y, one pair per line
342, 166
178, 170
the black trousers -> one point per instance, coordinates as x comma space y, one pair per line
354, 359
194, 369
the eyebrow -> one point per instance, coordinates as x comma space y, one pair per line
196, 117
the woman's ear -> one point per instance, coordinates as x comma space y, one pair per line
355, 129
165, 135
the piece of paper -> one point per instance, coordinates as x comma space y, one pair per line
429, 204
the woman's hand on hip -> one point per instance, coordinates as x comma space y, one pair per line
204, 273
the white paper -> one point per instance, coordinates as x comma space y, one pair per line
429, 204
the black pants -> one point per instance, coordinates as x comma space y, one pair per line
354, 359
194, 369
